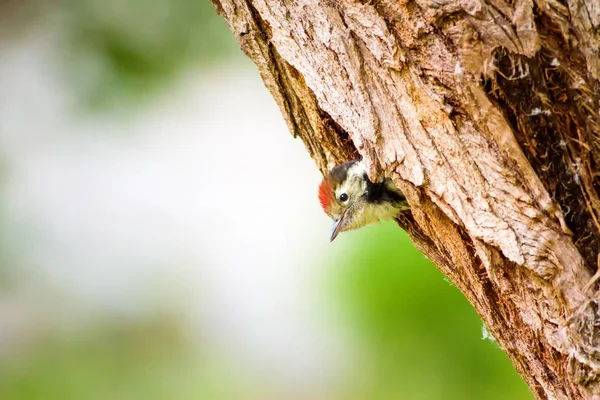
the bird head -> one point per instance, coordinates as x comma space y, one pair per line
353, 201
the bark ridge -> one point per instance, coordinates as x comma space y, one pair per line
485, 114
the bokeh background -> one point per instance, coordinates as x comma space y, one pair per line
161, 237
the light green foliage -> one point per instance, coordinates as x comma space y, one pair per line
421, 339
140, 360
121, 51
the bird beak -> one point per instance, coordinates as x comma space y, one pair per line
336, 228
340, 224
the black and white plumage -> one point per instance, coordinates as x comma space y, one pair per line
353, 201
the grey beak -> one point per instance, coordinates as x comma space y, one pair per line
336, 229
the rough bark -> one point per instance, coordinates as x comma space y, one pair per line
485, 113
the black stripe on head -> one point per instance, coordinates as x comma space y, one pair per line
339, 173
378, 193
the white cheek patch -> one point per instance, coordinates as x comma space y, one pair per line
354, 185
357, 170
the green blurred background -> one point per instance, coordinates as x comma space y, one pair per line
140, 259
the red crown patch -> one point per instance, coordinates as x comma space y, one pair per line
325, 195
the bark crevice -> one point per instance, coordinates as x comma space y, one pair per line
485, 113
555, 129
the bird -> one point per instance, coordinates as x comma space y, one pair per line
348, 197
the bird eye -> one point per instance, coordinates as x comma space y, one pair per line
343, 197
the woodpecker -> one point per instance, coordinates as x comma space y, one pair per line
353, 201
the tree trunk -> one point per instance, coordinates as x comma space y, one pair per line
485, 114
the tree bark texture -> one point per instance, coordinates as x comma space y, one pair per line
485, 113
